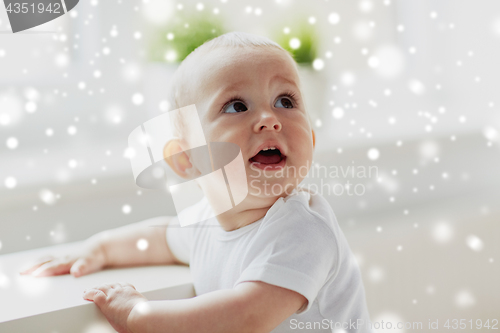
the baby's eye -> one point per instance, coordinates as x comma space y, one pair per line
235, 107
284, 102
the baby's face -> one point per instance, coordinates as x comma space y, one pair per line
251, 97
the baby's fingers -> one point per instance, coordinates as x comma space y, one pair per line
95, 295
55, 267
35, 266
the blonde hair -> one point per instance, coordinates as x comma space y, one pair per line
230, 39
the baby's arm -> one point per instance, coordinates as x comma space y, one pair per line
111, 248
250, 307
120, 244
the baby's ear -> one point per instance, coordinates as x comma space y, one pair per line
314, 138
176, 158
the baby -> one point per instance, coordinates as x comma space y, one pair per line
277, 261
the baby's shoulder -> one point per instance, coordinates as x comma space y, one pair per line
302, 211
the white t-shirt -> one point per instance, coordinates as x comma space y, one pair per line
297, 245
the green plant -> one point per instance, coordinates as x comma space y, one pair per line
181, 35
305, 33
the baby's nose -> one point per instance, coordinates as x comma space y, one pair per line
267, 121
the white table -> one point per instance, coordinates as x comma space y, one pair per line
55, 304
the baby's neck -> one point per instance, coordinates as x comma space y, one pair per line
250, 210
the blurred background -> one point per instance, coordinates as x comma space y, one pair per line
408, 88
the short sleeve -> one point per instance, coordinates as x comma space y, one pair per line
294, 249
179, 240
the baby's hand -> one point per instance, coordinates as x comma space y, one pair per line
89, 259
116, 301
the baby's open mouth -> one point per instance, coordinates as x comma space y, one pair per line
268, 156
